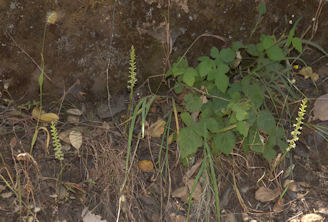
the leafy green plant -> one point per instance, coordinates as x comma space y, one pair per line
226, 93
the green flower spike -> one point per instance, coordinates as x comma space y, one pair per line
56, 143
132, 69
298, 126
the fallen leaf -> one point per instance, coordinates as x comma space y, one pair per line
75, 137
45, 117
73, 119
320, 108
307, 72
278, 206
2, 188
197, 194
177, 218
146, 166
265, 194
75, 112
230, 218
87, 216
64, 136
312, 218
156, 129
182, 193
6, 195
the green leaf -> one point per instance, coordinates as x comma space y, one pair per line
242, 128
205, 67
224, 142
275, 53
178, 87
215, 52
252, 50
297, 43
178, 68
267, 42
187, 119
237, 45
269, 154
228, 55
223, 68
188, 141
254, 92
221, 82
193, 102
189, 76
212, 124
262, 8
266, 122
254, 141
241, 111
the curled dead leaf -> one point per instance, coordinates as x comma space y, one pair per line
156, 129
265, 194
312, 218
75, 112
45, 117
75, 137
320, 108
146, 166
308, 73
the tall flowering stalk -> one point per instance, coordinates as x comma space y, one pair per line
298, 126
132, 77
295, 133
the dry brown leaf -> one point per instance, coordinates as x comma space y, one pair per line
64, 136
312, 218
45, 117
2, 188
87, 216
177, 218
75, 112
230, 218
75, 138
6, 195
192, 170
197, 194
320, 108
73, 119
182, 193
308, 73
156, 129
278, 206
265, 194
146, 166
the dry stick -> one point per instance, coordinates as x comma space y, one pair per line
30, 57
109, 58
200, 36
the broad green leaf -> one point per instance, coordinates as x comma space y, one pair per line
237, 45
255, 93
228, 55
224, 142
254, 141
189, 76
297, 43
178, 87
266, 122
262, 8
241, 111
267, 42
243, 128
186, 118
213, 125
193, 102
178, 68
205, 67
252, 50
215, 52
275, 53
269, 153
223, 68
188, 141
221, 82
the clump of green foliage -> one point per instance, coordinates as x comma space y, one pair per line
226, 96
